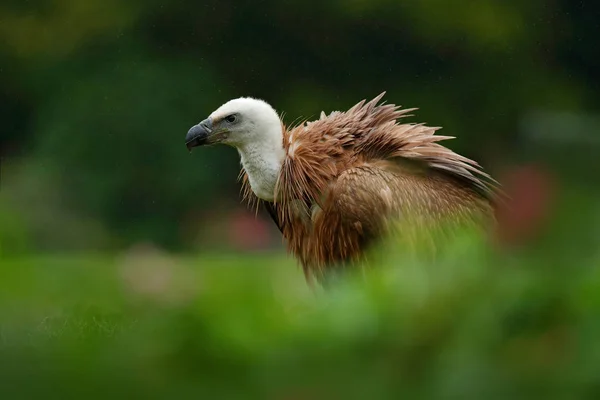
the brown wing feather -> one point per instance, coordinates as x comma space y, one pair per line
320, 150
366, 201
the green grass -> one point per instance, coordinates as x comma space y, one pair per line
474, 323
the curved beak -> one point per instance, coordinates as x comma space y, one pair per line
198, 134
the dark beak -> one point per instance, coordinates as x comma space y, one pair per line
198, 134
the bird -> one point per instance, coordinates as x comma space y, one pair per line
332, 185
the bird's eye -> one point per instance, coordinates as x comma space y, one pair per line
230, 119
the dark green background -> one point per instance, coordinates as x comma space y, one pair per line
97, 96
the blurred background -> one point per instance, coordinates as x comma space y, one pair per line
96, 97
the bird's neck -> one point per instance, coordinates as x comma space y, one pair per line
262, 163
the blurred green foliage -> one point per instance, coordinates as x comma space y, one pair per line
476, 323
97, 96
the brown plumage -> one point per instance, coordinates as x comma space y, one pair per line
345, 176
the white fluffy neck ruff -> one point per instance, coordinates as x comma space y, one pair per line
262, 154
262, 165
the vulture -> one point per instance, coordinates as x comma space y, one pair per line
333, 185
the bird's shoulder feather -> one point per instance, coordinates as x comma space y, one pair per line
319, 151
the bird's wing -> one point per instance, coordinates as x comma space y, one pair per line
351, 216
365, 198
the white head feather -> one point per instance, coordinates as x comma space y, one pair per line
257, 134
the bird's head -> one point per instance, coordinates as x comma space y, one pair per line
238, 123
